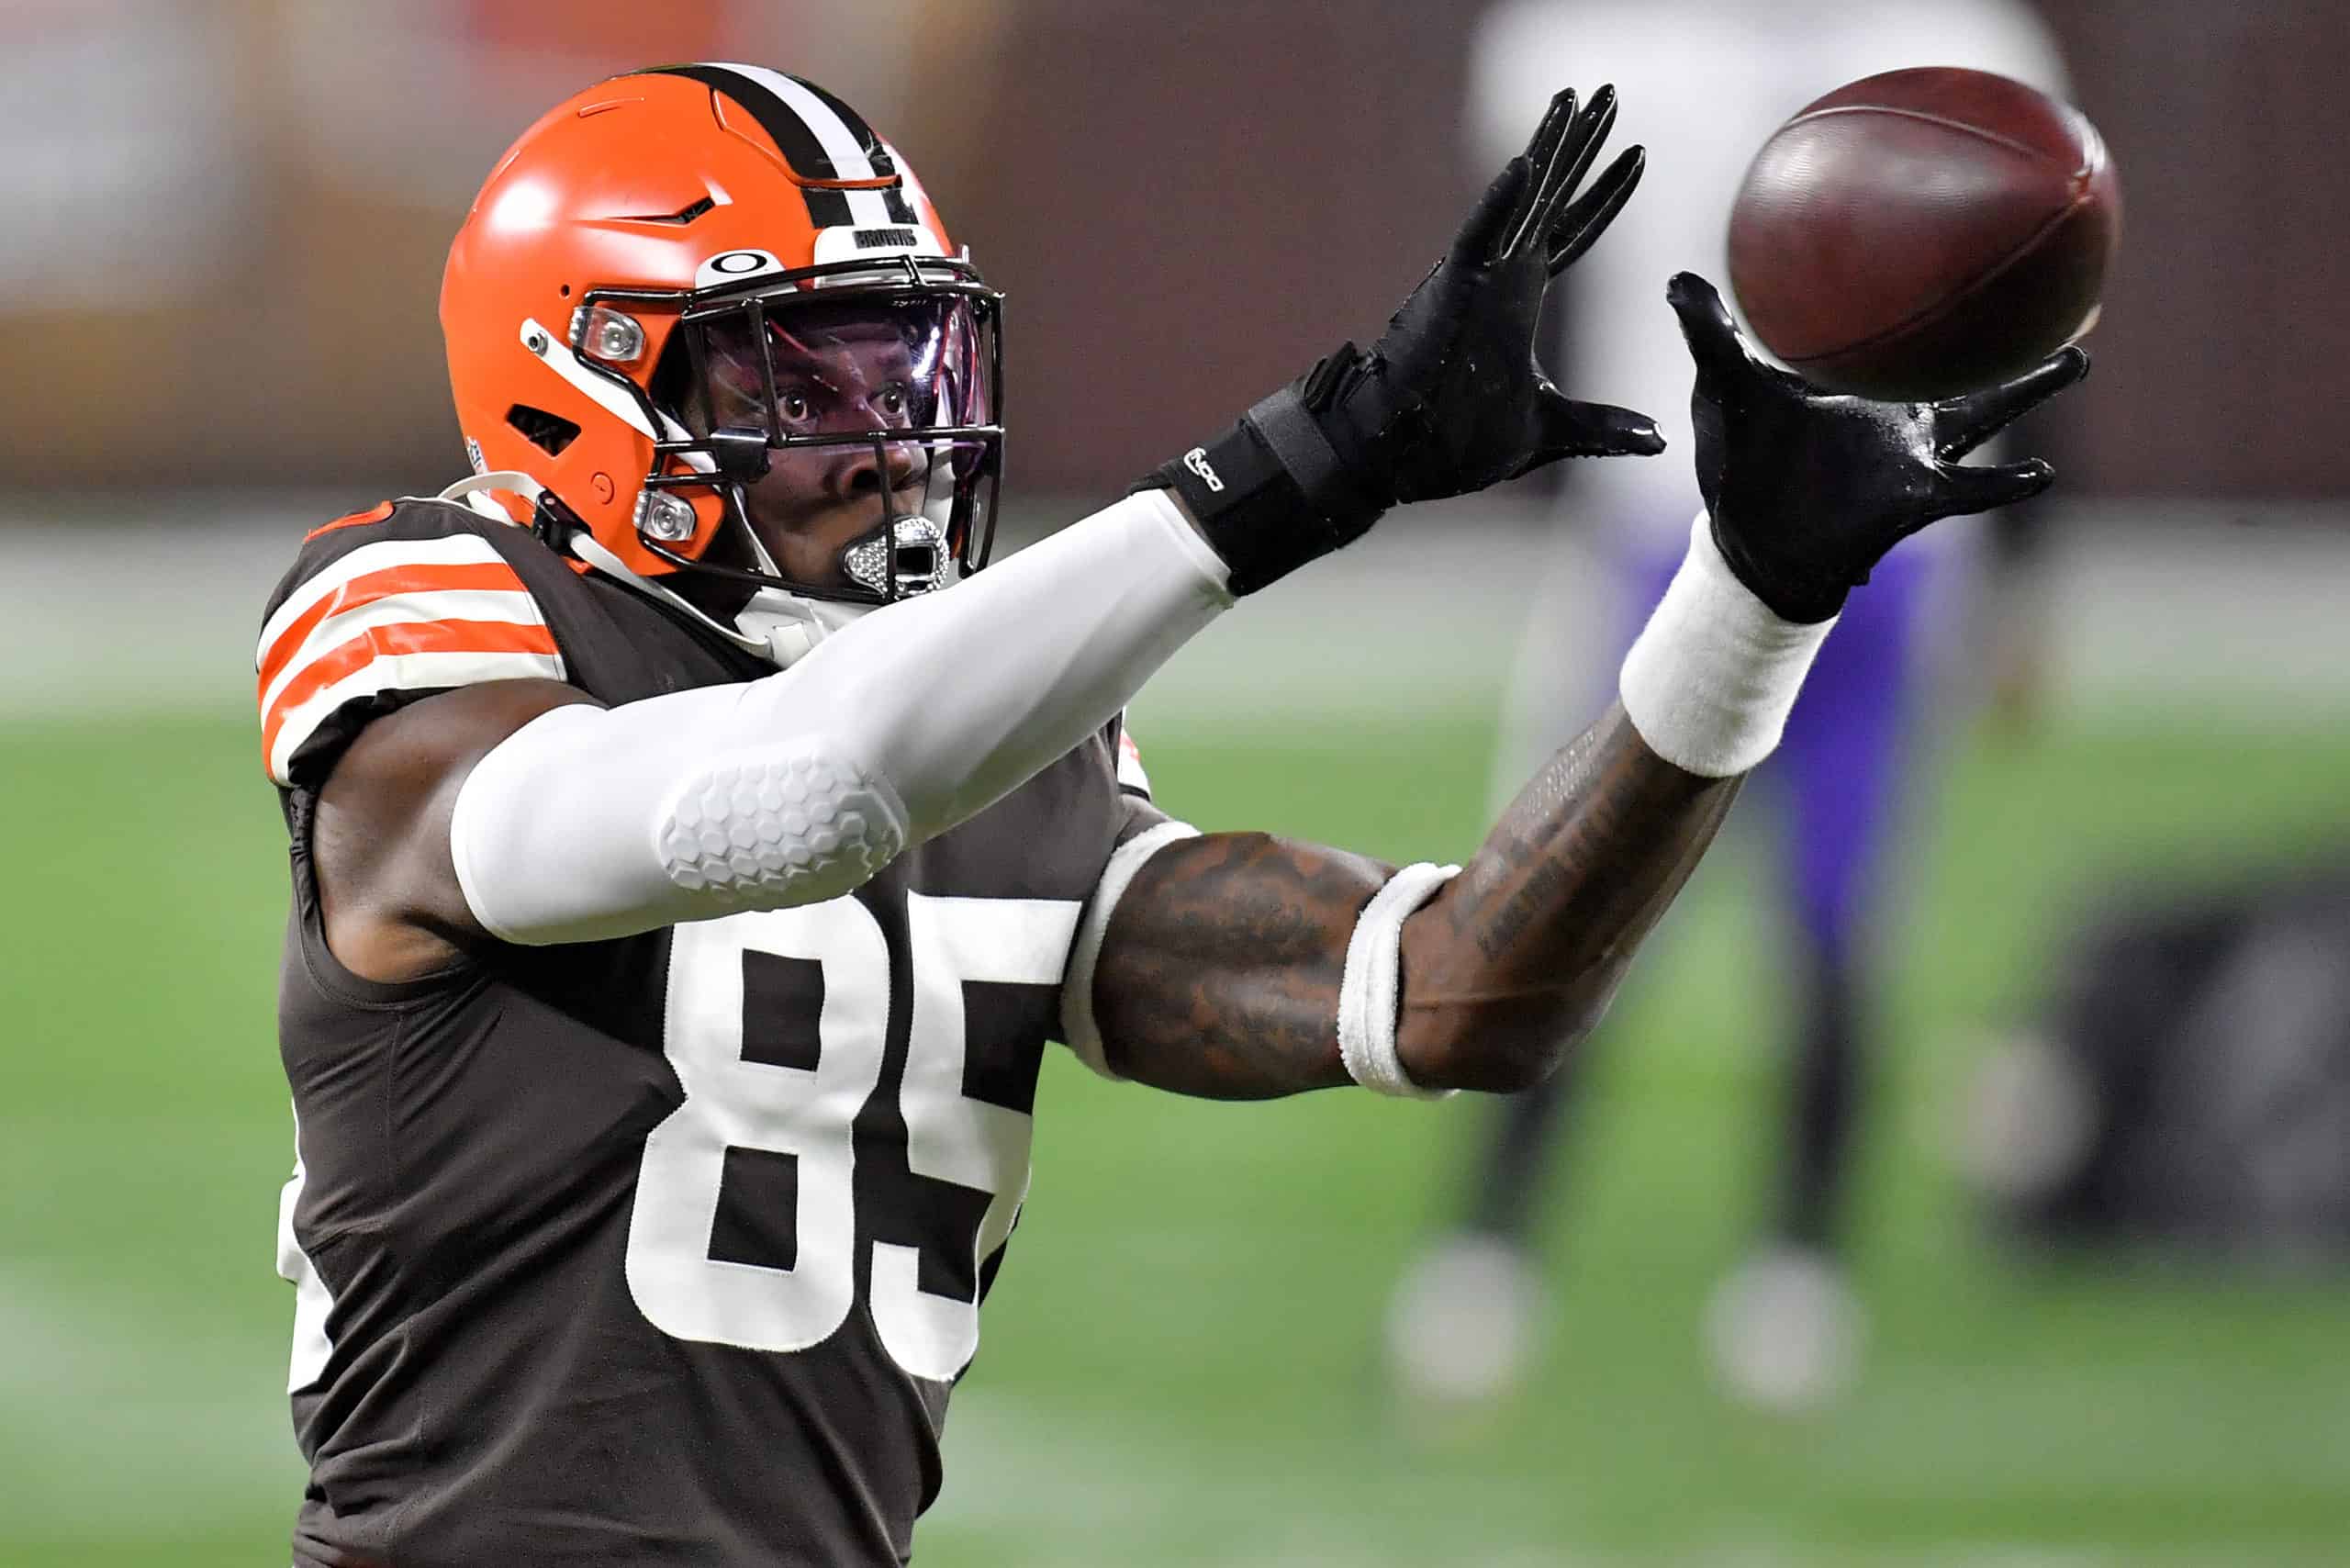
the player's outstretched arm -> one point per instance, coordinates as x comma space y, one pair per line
1224, 972
1238, 965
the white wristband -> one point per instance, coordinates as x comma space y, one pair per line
1711, 679
1367, 992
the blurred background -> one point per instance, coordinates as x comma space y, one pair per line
2100, 1202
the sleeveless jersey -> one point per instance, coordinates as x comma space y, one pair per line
664, 1249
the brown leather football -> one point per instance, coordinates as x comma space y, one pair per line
1924, 232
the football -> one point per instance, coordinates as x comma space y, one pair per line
1924, 232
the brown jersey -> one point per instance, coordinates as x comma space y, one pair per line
664, 1249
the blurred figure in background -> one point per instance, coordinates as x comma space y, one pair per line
2185, 1087
1704, 85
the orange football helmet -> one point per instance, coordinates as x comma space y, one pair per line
632, 289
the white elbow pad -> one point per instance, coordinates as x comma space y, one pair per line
589, 823
788, 824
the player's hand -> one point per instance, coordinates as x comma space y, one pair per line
1807, 489
1450, 399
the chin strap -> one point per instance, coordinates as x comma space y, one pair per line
589, 548
790, 626
777, 626
475, 490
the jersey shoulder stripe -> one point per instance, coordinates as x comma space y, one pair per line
377, 613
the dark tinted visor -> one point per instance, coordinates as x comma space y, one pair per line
798, 367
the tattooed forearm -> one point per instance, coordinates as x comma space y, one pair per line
1519, 953
1219, 974
1524, 906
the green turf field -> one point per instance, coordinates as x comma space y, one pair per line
1179, 1363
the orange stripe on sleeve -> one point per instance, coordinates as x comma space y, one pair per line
381, 642
367, 588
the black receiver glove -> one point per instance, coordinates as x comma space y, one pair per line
1807, 489
1448, 400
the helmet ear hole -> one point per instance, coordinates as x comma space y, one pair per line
549, 432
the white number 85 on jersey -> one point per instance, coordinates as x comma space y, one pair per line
809, 1113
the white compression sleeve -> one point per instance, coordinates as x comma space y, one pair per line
590, 823
1712, 678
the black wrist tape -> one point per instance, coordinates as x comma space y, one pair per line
1270, 493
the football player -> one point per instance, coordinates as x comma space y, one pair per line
689, 864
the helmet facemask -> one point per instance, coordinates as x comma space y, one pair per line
847, 418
